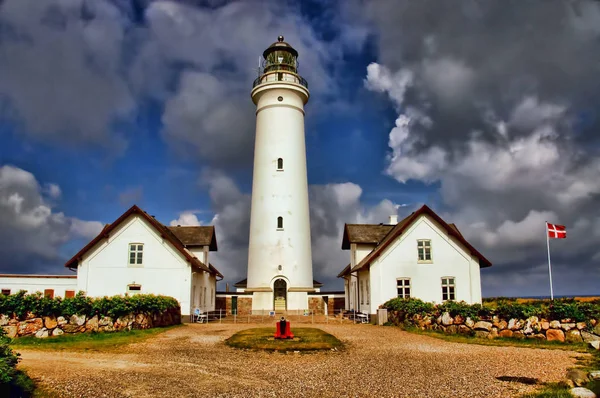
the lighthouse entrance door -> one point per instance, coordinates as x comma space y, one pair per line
279, 295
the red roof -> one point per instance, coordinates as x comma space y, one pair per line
162, 230
402, 226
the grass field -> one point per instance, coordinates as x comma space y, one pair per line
87, 341
306, 339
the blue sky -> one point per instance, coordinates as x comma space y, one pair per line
117, 102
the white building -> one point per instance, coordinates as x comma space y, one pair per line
421, 256
137, 254
279, 255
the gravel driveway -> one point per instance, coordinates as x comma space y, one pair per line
378, 362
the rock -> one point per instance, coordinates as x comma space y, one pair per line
593, 322
587, 337
11, 331
581, 392
595, 344
595, 375
567, 326
555, 335
580, 325
105, 321
514, 324
4, 320
502, 325
597, 328
57, 332
31, 326
545, 325
68, 328
518, 335
469, 322
482, 325
482, 334
78, 320
42, 333
92, 324
50, 322
493, 334
452, 329
569, 383
458, 320
464, 329
579, 376
574, 336
447, 319
555, 325
528, 329
124, 322
506, 333
61, 320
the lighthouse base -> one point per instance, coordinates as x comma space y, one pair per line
295, 303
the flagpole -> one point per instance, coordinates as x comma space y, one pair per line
549, 266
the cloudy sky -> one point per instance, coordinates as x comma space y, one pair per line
485, 110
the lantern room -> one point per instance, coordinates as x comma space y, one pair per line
279, 63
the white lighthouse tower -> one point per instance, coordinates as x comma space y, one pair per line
279, 256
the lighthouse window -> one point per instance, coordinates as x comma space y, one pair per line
280, 164
279, 222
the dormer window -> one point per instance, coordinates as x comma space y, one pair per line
136, 251
279, 222
279, 164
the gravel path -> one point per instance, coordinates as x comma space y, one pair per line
379, 361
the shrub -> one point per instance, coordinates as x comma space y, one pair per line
21, 303
410, 306
13, 382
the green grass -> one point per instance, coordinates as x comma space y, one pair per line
87, 341
305, 339
552, 390
500, 341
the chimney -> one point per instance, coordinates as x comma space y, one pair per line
393, 219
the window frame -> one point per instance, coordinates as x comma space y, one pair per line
404, 286
134, 288
362, 295
49, 293
279, 164
367, 289
447, 286
69, 293
426, 245
279, 223
139, 254
4, 292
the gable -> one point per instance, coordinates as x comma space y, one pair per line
195, 236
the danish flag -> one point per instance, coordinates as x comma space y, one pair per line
556, 231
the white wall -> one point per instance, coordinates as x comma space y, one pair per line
105, 269
38, 284
450, 259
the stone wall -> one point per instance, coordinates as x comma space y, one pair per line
42, 327
316, 305
530, 328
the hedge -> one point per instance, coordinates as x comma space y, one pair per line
577, 311
13, 382
20, 304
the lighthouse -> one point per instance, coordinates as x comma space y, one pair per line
279, 255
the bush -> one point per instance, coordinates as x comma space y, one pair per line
13, 382
20, 304
410, 306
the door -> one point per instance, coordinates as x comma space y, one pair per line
234, 305
279, 295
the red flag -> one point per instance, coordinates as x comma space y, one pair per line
556, 231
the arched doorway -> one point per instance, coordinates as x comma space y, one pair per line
280, 295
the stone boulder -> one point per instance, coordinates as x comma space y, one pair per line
506, 333
574, 336
92, 324
143, 321
597, 328
545, 325
69, 328
30, 326
105, 321
518, 335
578, 376
124, 322
11, 331
514, 324
589, 337
595, 375
57, 332
452, 329
42, 333
595, 344
555, 325
555, 335
582, 392
458, 320
4, 320
482, 334
61, 321
580, 325
469, 322
567, 326
502, 325
464, 329
483, 325
493, 334
78, 320
50, 322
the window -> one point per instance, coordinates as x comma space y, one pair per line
448, 289
367, 295
205, 297
280, 164
279, 222
135, 253
69, 293
134, 289
194, 303
403, 287
212, 296
49, 293
6, 292
362, 295
424, 250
